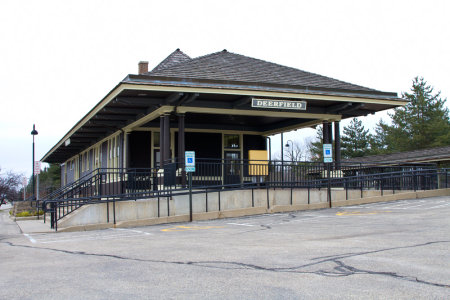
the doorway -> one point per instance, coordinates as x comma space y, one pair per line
232, 167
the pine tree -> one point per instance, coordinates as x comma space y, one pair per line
315, 147
423, 123
356, 140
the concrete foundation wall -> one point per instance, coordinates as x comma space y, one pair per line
232, 204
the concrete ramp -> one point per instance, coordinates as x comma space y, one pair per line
223, 204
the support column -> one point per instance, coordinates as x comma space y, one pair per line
330, 132
161, 140
325, 133
166, 140
181, 148
337, 145
127, 149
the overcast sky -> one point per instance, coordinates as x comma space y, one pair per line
60, 58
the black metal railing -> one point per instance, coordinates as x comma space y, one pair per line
109, 185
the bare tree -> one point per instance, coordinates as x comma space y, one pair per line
295, 152
9, 185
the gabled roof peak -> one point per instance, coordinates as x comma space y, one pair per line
174, 58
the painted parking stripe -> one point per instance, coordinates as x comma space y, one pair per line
52, 237
48, 239
132, 230
238, 224
30, 238
439, 206
90, 238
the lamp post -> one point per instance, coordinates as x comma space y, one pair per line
33, 133
292, 149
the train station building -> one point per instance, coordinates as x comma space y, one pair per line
221, 105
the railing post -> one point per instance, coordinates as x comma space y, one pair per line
253, 199
206, 200
159, 213
346, 188
114, 211
446, 178
381, 184
328, 184
291, 194
361, 184
309, 194
393, 183
190, 196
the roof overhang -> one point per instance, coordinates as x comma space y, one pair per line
140, 99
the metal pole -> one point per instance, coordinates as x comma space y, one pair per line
190, 196
33, 193
329, 185
282, 159
37, 196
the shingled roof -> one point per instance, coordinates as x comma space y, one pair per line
439, 154
174, 58
228, 66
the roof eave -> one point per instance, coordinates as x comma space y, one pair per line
191, 82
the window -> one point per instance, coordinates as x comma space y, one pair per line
87, 160
113, 152
97, 157
156, 139
231, 141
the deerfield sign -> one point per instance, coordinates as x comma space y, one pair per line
278, 104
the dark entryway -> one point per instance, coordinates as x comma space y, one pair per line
139, 147
232, 167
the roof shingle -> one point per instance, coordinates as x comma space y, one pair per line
229, 66
174, 58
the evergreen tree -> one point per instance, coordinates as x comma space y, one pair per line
356, 140
423, 123
315, 147
49, 180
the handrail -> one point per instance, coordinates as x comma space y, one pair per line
122, 184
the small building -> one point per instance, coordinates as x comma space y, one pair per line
221, 105
439, 156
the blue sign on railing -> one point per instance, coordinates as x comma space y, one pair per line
327, 153
189, 161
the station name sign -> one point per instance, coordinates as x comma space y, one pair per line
278, 104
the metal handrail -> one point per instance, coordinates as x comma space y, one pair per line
121, 184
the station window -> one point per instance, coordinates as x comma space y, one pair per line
156, 139
231, 141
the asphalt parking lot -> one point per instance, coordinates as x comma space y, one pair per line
385, 250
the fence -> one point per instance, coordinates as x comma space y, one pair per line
108, 185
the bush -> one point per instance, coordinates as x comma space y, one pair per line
29, 213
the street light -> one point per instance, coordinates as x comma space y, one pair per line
292, 149
33, 133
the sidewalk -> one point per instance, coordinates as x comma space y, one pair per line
34, 226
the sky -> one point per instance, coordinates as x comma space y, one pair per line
60, 58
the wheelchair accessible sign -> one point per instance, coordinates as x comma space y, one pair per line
189, 161
327, 153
